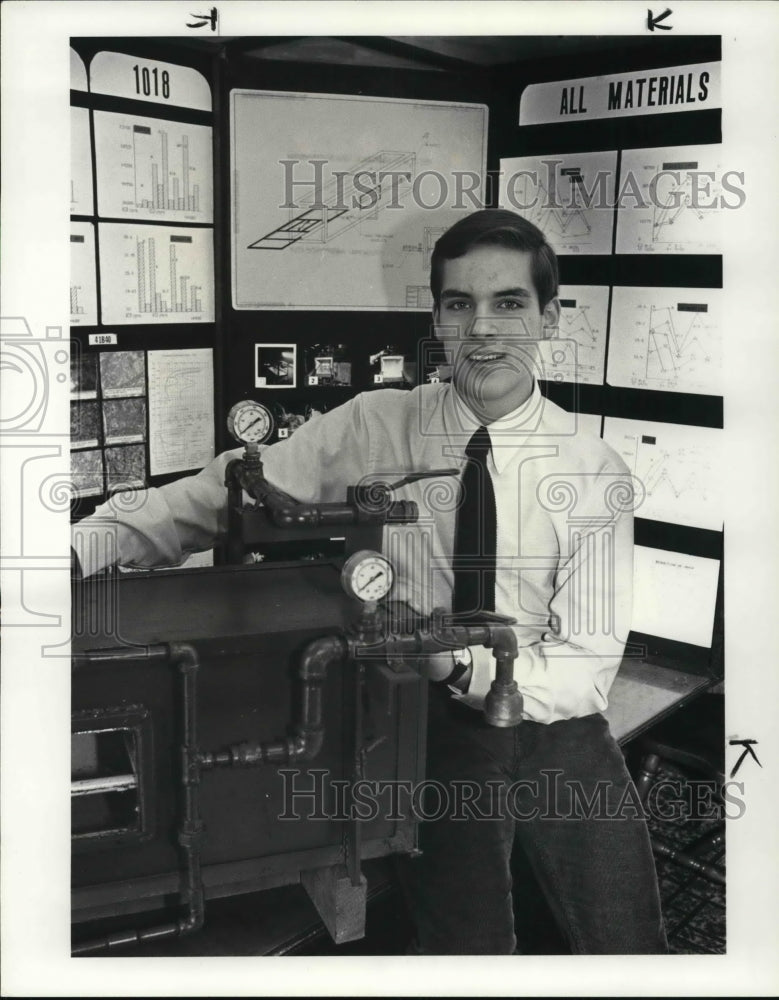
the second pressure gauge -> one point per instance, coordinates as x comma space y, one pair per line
250, 422
367, 575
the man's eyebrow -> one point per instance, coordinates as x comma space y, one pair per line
518, 293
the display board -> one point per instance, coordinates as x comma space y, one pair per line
142, 272
337, 200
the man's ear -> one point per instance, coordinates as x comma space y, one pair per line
551, 317
436, 317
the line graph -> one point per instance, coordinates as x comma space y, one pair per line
677, 466
667, 339
567, 196
577, 353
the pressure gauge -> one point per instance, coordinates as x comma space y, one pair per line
250, 422
367, 575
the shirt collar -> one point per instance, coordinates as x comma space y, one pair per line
507, 433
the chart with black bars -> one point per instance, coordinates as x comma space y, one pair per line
150, 168
156, 274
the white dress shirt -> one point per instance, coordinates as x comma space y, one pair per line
564, 526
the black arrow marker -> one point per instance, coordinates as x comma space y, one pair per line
653, 22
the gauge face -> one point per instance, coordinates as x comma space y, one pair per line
367, 576
250, 422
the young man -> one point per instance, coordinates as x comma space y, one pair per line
540, 530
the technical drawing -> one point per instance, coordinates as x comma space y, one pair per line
345, 202
419, 297
431, 236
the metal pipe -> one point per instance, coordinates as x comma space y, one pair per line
503, 703
191, 829
308, 732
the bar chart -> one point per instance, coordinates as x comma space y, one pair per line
81, 199
83, 279
152, 168
165, 274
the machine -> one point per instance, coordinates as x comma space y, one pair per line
227, 721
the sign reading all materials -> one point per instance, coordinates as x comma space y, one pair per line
646, 92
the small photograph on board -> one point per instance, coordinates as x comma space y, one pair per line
327, 365
124, 420
125, 466
122, 373
435, 360
86, 473
274, 366
84, 424
83, 374
391, 368
288, 421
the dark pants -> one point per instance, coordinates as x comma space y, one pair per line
536, 784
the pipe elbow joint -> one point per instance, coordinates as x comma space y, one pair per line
319, 655
185, 655
504, 642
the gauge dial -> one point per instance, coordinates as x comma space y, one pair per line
367, 575
250, 422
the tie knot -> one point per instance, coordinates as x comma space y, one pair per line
479, 445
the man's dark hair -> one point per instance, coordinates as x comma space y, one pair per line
497, 227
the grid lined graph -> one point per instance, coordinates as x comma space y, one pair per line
156, 274
152, 168
668, 339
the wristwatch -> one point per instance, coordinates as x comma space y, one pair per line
459, 680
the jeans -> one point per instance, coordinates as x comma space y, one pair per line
563, 792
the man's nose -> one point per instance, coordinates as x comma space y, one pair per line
482, 328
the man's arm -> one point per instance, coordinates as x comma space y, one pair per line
161, 526
568, 671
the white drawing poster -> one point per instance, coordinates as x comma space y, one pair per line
337, 200
569, 196
83, 275
667, 339
674, 595
671, 200
82, 201
678, 467
150, 168
577, 353
181, 410
156, 274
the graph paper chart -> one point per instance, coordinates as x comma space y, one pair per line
83, 276
82, 200
150, 168
181, 410
673, 201
577, 353
156, 274
678, 467
667, 339
570, 197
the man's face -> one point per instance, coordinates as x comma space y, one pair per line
490, 319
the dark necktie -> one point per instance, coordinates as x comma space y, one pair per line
476, 533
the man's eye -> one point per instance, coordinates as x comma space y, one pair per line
457, 306
509, 305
